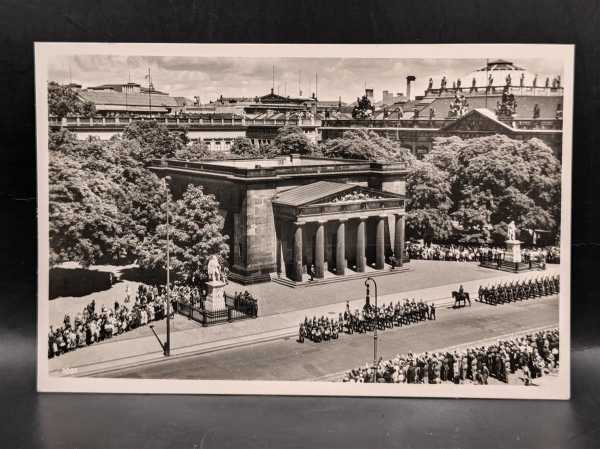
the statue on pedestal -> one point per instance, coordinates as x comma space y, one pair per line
215, 295
511, 230
213, 268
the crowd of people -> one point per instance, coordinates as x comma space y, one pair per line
365, 320
519, 290
456, 253
468, 253
523, 358
94, 324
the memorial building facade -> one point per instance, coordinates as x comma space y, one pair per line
289, 217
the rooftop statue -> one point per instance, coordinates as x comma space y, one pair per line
508, 106
364, 109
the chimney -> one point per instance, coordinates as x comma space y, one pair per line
409, 80
388, 97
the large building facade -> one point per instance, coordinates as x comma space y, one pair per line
290, 216
467, 108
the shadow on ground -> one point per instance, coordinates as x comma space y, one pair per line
78, 281
145, 276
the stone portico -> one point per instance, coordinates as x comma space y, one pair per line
283, 215
337, 228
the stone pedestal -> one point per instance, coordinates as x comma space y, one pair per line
513, 251
215, 296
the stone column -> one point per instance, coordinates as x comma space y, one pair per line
297, 269
360, 245
280, 256
320, 250
340, 248
399, 239
380, 243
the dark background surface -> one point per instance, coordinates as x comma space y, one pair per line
29, 420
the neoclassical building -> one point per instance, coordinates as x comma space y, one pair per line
288, 216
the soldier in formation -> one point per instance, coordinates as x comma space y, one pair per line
519, 290
365, 320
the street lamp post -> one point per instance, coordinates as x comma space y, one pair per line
376, 325
167, 346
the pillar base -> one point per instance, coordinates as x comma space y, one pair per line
513, 251
215, 296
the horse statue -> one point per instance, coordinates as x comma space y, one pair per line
213, 268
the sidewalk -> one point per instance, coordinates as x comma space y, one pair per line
122, 352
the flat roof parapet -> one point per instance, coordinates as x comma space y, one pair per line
273, 168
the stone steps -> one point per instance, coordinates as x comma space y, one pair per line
334, 279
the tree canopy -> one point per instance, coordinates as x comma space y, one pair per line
429, 202
195, 227
243, 148
291, 139
365, 144
494, 180
105, 205
63, 101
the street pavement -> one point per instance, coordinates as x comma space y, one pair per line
286, 359
140, 347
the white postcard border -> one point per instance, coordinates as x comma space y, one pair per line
44, 51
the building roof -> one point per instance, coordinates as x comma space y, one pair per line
109, 97
308, 193
324, 192
525, 105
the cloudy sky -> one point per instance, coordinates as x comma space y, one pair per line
211, 77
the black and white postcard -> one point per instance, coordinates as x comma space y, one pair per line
345, 220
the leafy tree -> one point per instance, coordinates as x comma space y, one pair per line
156, 140
496, 179
366, 145
106, 206
195, 234
103, 201
63, 101
428, 192
291, 139
243, 148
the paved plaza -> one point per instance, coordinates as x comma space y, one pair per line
275, 298
265, 347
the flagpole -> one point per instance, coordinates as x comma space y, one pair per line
150, 91
487, 81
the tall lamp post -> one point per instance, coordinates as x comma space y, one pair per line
167, 346
370, 279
